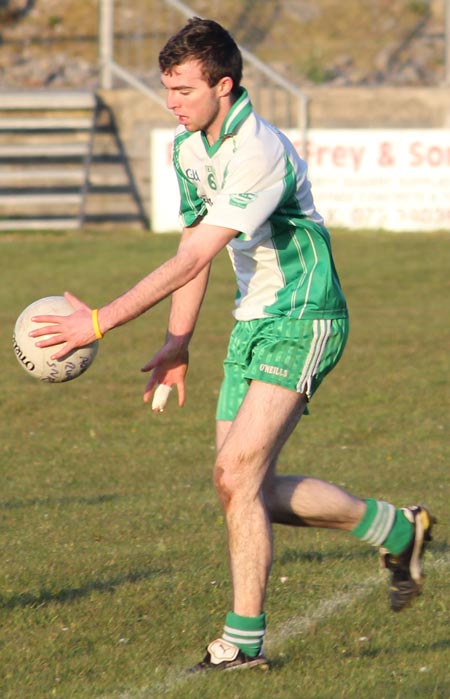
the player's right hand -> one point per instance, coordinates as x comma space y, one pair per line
73, 331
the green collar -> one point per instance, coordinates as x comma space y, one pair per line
237, 114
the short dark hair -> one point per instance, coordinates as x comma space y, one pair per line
208, 42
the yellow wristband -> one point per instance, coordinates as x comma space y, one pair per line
97, 331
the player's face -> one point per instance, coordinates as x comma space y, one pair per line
195, 104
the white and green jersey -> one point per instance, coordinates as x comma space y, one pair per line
252, 180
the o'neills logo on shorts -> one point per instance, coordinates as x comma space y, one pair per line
267, 369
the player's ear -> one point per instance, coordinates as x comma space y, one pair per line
225, 86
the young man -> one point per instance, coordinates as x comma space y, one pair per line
243, 186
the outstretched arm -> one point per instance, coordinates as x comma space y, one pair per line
76, 330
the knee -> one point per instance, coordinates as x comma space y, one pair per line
232, 479
223, 483
236, 481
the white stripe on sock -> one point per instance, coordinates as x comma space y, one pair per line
382, 524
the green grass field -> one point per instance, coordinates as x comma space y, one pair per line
113, 570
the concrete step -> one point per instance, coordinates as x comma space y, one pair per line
40, 199
28, 176
42, 150
39, 224
114, 217
46, 99
44, 144
45, 123
21, 193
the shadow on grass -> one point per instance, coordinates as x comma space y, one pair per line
440, 547
367, 652
45, 597
441, 645
292, 555
297, 555
51, 502
435, 647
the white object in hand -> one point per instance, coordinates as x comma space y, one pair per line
160, 397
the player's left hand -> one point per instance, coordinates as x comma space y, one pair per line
75, 330
168, 366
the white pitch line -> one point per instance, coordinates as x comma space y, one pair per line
286, 631
324, 610
328, 607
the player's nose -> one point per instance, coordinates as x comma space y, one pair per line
172, 100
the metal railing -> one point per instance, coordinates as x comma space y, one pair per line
275, 98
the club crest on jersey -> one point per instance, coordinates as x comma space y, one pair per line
192, 174
242, 200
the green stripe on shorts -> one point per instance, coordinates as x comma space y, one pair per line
294, 354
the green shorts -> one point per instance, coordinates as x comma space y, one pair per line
295, 354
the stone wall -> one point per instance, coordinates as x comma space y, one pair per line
379, 107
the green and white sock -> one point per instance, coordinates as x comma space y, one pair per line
245, 632
383, 525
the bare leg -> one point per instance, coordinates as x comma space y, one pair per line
253, 496
302, 501
310, 502
247, 448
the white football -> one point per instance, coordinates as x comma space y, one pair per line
37, 360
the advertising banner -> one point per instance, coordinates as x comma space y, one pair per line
391, 179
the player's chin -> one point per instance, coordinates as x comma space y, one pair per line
190, 126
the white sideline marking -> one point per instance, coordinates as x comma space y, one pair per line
328, 607
324, 610
288, 630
